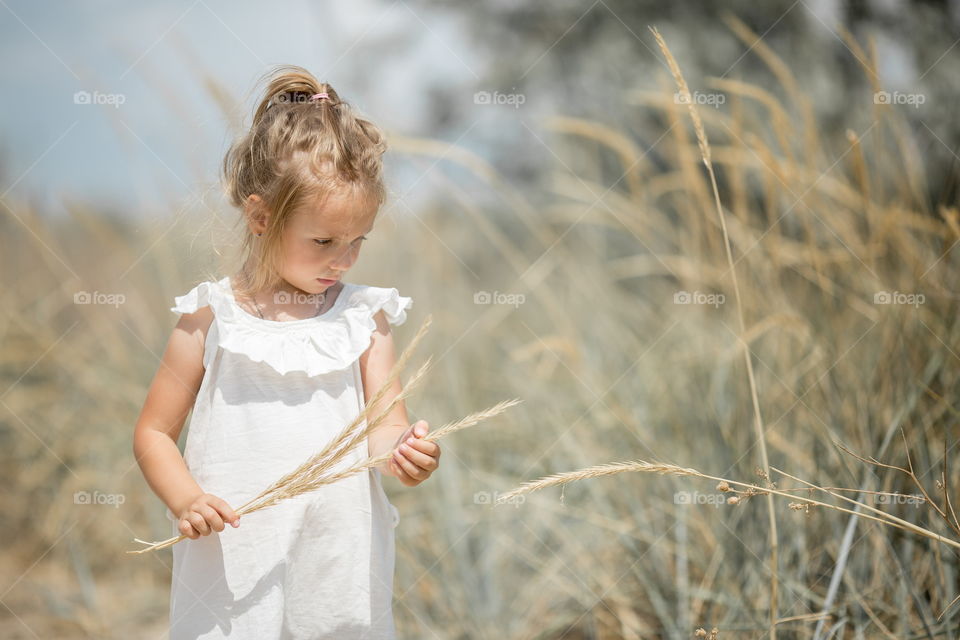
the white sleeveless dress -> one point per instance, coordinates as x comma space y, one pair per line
319, 565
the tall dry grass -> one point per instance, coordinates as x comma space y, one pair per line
609, 368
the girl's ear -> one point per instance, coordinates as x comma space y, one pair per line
257, 213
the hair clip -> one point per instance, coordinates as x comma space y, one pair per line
319, 96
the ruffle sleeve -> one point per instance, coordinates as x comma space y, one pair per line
198, 297
330, 342
368, 300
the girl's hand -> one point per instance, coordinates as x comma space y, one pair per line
414, 459
207, 513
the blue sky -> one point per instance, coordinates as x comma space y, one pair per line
166, 139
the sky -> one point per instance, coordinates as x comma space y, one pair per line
146, 134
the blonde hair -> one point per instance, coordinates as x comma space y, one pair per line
300, 147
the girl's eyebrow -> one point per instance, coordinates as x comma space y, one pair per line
320, 235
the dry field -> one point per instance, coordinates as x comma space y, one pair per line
606, 301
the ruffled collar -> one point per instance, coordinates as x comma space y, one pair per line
328, 342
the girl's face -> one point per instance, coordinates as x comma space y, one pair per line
323, 240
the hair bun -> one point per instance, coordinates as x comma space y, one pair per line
303, 132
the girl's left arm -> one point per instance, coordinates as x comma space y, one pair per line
414, 459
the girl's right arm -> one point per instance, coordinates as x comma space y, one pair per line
169, 400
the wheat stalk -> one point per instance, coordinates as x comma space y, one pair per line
672, 469
754, 396
445, 430
321, 463
310, 481
337, 449
337, 444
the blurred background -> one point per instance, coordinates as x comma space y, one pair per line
550, 208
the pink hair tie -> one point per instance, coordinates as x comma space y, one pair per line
319, 96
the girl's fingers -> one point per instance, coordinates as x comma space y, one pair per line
431, 449
421, 460
222, 508
420, 428
187, 529
400, 473
212, 518
198, 523
411, 469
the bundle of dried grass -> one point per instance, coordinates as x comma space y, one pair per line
316, 471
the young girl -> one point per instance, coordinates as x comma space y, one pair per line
275, 361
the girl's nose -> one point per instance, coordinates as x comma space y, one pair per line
346, 259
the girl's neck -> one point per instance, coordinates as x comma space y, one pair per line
251, 298
245, 282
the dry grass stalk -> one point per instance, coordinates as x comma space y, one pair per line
445, 430
351, 434
321, 463
316, 471
758, 420
723, 484
946, 513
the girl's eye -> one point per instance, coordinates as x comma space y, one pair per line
323, 243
